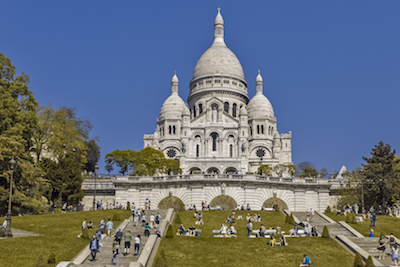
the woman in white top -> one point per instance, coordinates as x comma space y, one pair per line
224, 230
395, 255
137, 245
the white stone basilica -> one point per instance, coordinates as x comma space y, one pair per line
221, 131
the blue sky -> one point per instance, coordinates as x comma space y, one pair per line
331, 69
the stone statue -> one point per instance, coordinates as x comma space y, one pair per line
183, 147
223, 187
214, 114
243, 146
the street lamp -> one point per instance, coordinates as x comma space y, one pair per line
8, 232
95, 179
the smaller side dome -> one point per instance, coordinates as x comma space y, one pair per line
243, 110
259, 106
173, 106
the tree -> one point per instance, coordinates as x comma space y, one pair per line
109, 168
264, 169
381, 177
308, 169
93, 154
17, 123
122, 158
358, 261
325, 232
351, 192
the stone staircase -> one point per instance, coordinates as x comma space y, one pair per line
103, 258
370, 244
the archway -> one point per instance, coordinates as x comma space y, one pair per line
195, 170
276, 203
213, 170
225, 202
171, 202
230, 170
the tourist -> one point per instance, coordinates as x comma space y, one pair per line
395, 255
278, 230
146, 229
392, 241
118, 236
373, 220
157, 219
136, 219
90, 225
232, 230
312, 214
261, 231
233, 216
158, 233
192, 231
306, 261
98, 238
102, 226
272, 242
314, 231
371, 232
224, 230
137, 245
152, 221
248, 206
149, 204
143, 219
115, 253
127, 239
308, 215
382, 247
249, 228
4, 224
182, 230
93, 247
84, 224
110, 227
283, 240
146, 204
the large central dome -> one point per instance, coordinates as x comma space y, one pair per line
218, 60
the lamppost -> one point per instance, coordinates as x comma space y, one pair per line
95, 179
7, 232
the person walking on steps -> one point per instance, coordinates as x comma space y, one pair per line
137, 245
93, 248
115, 253
127, 239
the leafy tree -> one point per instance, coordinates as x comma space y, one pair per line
291, 169
93, 154
264, 169
351, 192
308, 169
17, 123
109, 168
122, 158
381, 177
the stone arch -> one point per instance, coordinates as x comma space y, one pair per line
199, 133
195, 170
213, 170
231, 169
225, 202
171, 202
276, 203
228, 133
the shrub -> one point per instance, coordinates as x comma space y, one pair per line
51, 259
178, 219
40, 262
160, 260
353, 219
291, 219
348, 218
116, 217
370, 262
325, 232
328, 209
128, 207
85, 233
358, 261
170, 232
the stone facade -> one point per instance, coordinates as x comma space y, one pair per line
220, 130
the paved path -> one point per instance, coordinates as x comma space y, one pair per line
21, 233
103, 258
370, 245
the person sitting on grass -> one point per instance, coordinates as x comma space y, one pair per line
90, 225
182, 230
232, 230
306, 261
199, 222
261, 231
283, 241
292, 232
278, 230
192, 231
272, 242
224, 230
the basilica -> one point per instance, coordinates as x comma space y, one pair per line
220, 129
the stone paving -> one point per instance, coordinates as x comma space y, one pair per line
21, 233
103, 258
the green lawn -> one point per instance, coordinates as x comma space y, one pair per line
242, 251
384, 224
59, 232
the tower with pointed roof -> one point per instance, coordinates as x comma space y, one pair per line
220, 130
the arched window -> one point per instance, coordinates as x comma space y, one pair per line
200, 108
173, 129
262, 129
231, 151
214, 143
170, 129
194, 111
234, 110
197, 150
226, 107
258, 129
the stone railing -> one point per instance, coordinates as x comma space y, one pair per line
88, 184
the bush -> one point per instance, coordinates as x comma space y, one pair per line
116, 217
178, 219
40, 262
51, 259
291, 219
160, 259
328, 209
325, 232
170, 232
353, 219
358, 261
348, 218
85, 233
370, 262
128, 207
